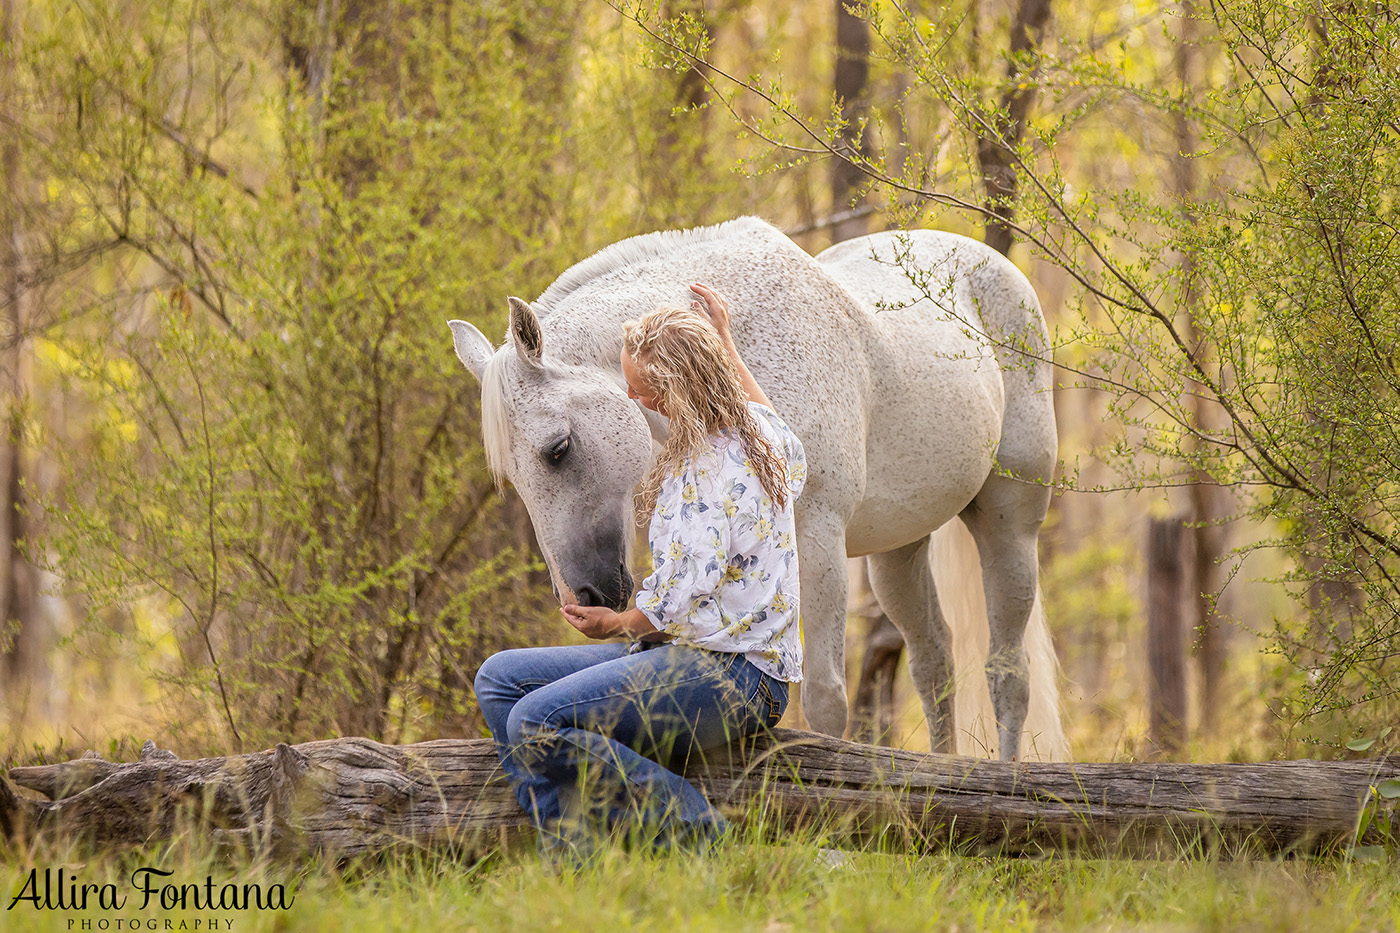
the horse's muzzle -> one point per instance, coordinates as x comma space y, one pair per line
614, 593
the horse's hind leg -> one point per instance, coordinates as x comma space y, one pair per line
1005, 520
903, 584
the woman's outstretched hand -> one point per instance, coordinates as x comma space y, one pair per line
602, 622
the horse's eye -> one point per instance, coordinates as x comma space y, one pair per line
556, 452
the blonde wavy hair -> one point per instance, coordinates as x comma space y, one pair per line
680, 357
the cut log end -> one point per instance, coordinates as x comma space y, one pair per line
66, 778
290, 764
16, 812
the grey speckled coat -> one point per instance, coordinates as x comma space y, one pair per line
910, 365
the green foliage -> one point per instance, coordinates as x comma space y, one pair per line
249, 225
1224, 196
258, 224
292, 467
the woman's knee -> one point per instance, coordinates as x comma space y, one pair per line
498, 675
499, 688
534, 722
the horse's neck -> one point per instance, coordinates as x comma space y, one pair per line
596, 342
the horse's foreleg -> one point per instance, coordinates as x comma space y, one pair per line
822, 551
1005, 520
903, 584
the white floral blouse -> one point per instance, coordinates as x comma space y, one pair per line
724, 559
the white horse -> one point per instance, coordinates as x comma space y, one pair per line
911, 365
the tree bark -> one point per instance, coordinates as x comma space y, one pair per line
352, 796
1166, 641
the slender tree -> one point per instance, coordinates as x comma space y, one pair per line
1166, 634
22, 634
1002, 127
1209, 501
850, 83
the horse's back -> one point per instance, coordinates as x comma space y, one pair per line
962, 300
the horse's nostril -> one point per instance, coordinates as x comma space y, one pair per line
626, 588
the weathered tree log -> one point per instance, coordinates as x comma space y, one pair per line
350, 796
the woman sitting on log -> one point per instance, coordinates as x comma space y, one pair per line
714, 631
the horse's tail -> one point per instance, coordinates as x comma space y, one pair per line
957, 573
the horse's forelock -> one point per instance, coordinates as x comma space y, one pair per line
497, 425
495, 415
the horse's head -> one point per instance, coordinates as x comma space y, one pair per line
573, 445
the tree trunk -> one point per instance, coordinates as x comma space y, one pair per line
872, 713
1209, 503
849, 82
1209, 545
22, 638
1004, 128
1166, 637
351, 796
1335, 596
681, 144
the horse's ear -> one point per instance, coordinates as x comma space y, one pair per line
473, 349
525, 327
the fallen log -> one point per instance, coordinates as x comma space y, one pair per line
352, 796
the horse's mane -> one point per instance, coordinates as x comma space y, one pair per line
637, 249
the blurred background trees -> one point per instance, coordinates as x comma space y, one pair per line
243, 490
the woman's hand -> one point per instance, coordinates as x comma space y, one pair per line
716, 307
601, 622
718, 310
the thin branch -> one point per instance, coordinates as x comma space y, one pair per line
1142, 303
171, 132
213, 552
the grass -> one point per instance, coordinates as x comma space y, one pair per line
745, 887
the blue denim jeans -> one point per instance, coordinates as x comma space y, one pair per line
606, 723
